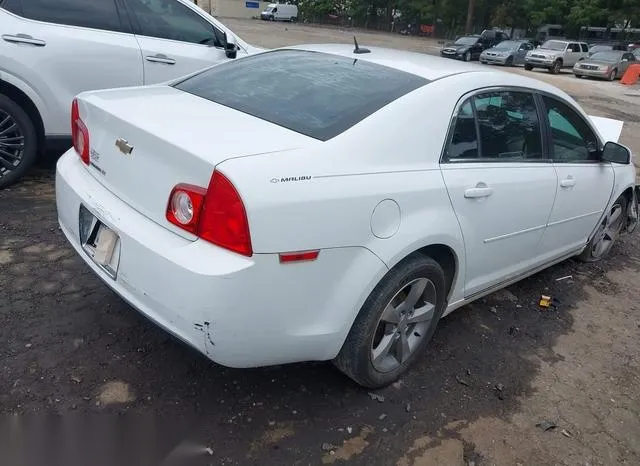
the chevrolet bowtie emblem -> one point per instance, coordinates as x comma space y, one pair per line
124, 146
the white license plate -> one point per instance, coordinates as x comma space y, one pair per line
99, 241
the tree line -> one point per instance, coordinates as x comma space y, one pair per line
452, 17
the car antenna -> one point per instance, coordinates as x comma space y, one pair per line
359, 49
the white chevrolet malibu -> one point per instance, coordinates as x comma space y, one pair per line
326, 203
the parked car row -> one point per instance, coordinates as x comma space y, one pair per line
601, 61
468, 48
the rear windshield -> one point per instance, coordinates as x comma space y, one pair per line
317, 94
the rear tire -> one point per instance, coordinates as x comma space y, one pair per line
528, 67
16, 128
607, 233
363, 357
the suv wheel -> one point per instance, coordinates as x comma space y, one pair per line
395, 323
555, 68
528, 67
18, 142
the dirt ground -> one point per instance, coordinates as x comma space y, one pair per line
494, 371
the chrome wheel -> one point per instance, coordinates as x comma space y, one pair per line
11, 143
403, 324
608, 232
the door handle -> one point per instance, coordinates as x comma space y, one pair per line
161, 58
568, 182
481, 190
23, 39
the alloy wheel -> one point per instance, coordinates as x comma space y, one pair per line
403, 324
608, 232
11, 143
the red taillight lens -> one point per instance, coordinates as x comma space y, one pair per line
216, 214
185, 205
224, 219
79, 133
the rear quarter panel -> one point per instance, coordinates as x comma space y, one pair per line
325, 196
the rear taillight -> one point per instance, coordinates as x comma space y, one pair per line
79, 133
185, 205
216, 214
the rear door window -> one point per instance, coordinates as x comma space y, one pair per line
317, 94
498, 126
95, 14
509, 126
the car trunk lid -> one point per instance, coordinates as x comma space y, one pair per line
144, 141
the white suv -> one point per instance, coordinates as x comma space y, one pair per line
48, 54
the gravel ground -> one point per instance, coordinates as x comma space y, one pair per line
495, 368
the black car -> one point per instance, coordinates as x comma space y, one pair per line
467, 48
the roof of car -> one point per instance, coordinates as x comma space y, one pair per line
427, 66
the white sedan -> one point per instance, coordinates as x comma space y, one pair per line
313, 203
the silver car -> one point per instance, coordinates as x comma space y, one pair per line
509, 53
609, 65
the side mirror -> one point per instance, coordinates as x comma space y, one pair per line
231, 50
615, 153
229, 45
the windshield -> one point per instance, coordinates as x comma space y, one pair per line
600, 48
554, 45
269, 9
466, 41
316, 94
507, 45
611, 57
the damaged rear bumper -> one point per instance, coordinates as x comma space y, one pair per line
238, 311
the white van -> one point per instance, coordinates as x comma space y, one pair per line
280, 12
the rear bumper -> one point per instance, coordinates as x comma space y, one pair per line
238, 311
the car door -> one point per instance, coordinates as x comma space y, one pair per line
572, 55
500, 184
584, 51
521, 53
77, 46
585, 183
627, 59
175, 39
479, 47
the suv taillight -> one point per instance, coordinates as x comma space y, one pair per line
79, 133
215, 214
